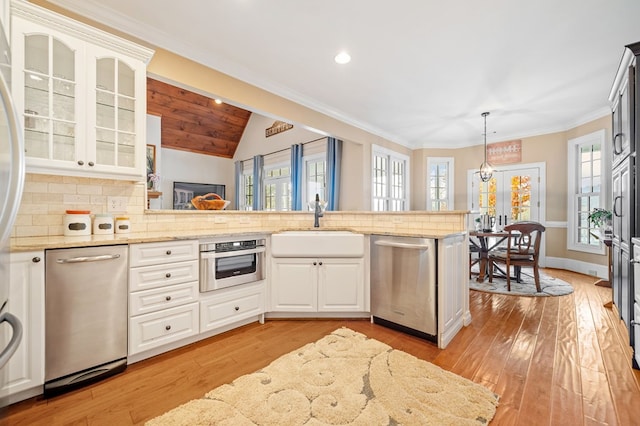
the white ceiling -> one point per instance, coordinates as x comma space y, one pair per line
422, 70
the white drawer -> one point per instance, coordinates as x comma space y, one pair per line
231, 306
159, 328
146, 301
163, 252
146, 277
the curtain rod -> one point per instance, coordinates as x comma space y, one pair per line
286, 149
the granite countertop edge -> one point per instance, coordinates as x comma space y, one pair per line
21, 244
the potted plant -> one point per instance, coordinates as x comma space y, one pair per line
601, 218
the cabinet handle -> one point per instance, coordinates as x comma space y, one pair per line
80, 163
315, 263
168, 252
615, 205
167, 327
237, 308
35, 259
615, 147
168, 275
91, 164
167, 298
320, 263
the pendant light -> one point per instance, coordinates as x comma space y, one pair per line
486, 170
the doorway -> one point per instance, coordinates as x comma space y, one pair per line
514, 193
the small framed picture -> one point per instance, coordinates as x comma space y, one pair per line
151, 159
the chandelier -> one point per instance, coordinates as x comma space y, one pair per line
486, 170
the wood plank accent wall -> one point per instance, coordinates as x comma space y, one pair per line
195, 123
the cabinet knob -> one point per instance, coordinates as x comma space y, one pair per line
35, 259
320, 263
168, 252
167, 298
315, 263
80, 163
237, 308
167, 327
168, 275
91, 163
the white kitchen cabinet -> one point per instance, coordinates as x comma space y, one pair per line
453, 287
228, 306
82, 96
163, 294
25, 370
317, 285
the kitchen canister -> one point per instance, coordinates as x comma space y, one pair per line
123, 225
77, 222
103, 224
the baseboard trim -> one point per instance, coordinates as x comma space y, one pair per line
578, 266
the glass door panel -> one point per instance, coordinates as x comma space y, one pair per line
50, 98
510, 196
115, 113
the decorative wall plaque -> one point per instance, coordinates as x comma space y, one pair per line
505, 152
277, 127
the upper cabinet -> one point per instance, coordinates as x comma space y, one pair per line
622, 98
82, 96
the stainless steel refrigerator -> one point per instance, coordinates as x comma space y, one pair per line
11, 185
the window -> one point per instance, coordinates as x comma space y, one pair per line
440, 183
390, 185
585, 190
247, 191
277, 188
315, 180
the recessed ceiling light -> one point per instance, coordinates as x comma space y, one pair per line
218, 101
342, 58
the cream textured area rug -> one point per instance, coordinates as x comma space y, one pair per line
527, 287
345, 378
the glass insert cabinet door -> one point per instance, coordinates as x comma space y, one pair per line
50, 107
115, 127
510, 196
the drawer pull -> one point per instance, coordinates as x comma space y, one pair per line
168, 275
167, 298
167, 327
168, 252
237, 308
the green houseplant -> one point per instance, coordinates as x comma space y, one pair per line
601, 218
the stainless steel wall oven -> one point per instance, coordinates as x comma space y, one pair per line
228, 262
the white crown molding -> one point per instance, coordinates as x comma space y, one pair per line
79, 30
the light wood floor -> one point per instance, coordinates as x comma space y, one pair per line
553, 361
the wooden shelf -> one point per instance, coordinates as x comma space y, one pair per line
151, 195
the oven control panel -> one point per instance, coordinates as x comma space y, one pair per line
227, 246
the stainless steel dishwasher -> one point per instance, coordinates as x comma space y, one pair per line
403, 284
85, 315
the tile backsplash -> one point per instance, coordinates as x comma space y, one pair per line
47, 197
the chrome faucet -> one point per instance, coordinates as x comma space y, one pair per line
318, 213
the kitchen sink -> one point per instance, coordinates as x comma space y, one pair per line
317, 244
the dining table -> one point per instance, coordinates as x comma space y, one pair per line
484, 241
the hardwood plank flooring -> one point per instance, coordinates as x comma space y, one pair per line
553, 361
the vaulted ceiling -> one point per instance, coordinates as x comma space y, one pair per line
195, 123
422, 71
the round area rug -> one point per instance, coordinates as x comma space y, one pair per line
526, 287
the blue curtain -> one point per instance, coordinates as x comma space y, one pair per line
238, 174
296, 176
334, 161
258, 181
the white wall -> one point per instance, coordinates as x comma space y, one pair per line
254, 141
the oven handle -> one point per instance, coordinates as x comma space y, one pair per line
214, 255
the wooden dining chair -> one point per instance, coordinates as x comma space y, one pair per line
522, 249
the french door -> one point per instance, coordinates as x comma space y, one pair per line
510, 195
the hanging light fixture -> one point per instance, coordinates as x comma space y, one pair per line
486, 170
